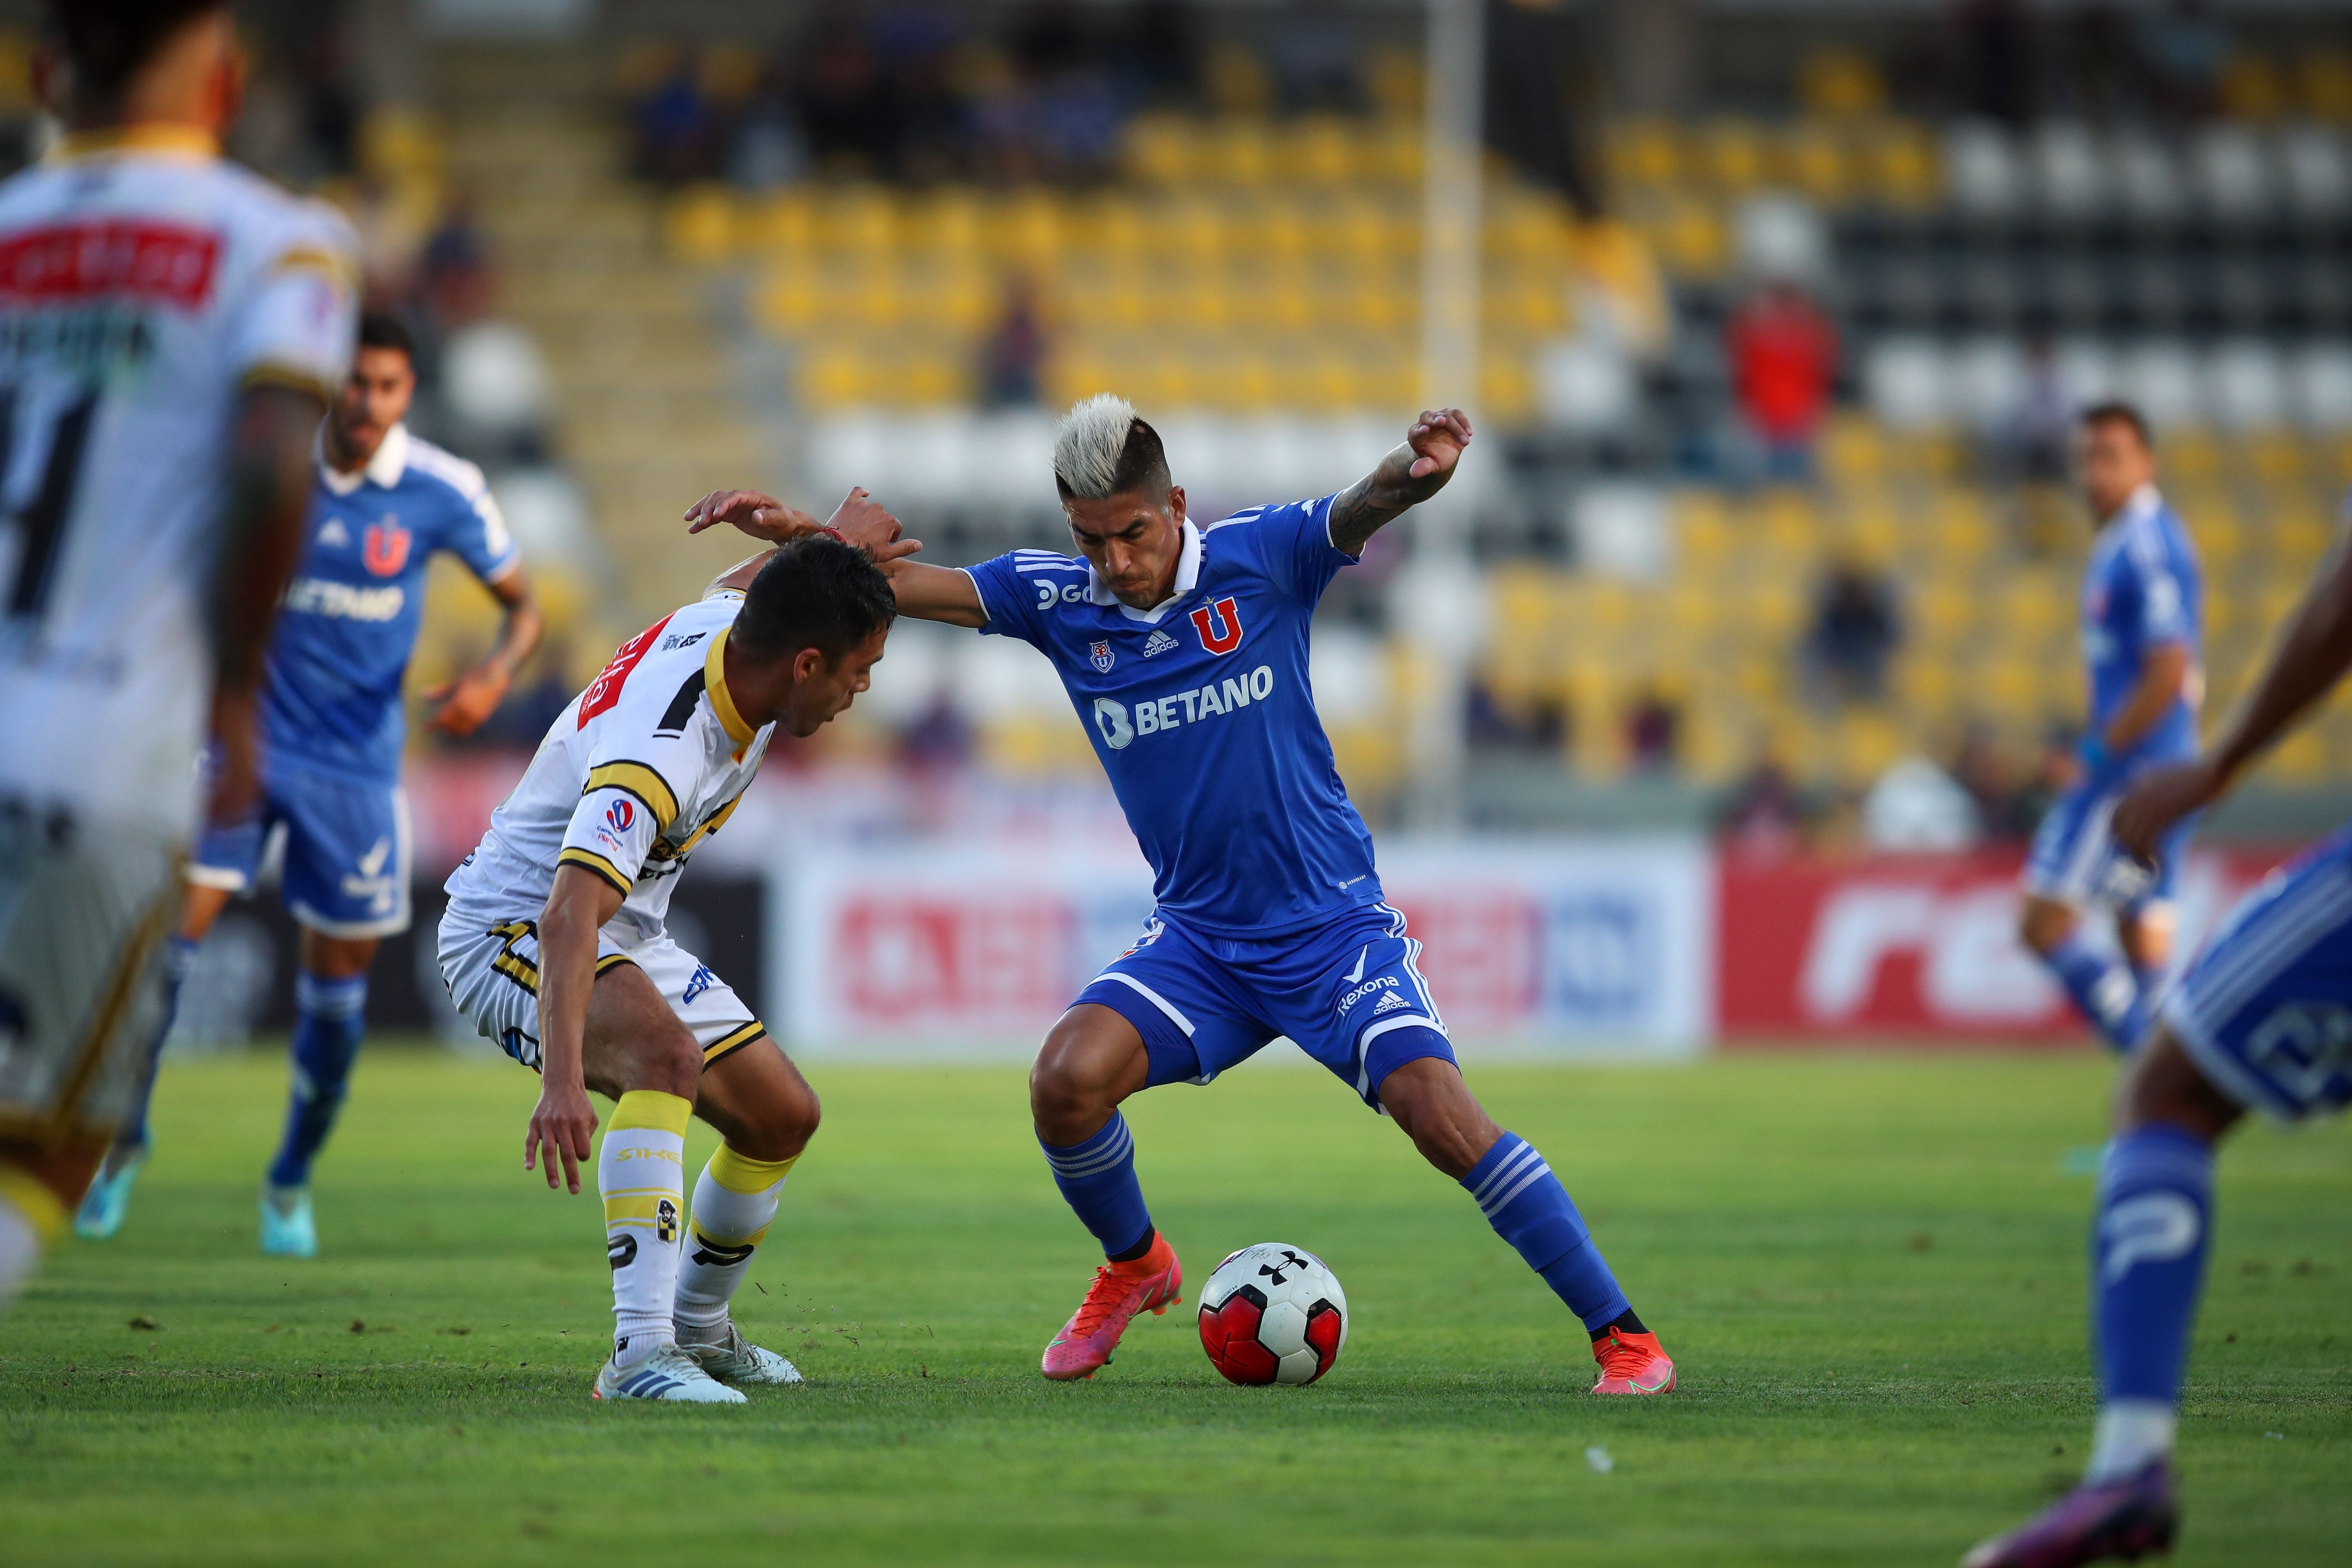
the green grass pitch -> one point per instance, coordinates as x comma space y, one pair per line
1868, 1268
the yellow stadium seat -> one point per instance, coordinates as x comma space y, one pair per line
2326, 85
2192, 456
1901, 159
1160, 149
1396, 152
1733, 155
1942, 614
1852, 449
701, 225
860, 219
834, 378
1841, 83
1241, 152
1644, 152
1926, 683
2278, 457
1812, 158
1319, 149
1867, 743
1787, 523
1506, 387
784, 226
1962, 530
1693, 240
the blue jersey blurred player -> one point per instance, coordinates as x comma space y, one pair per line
333, 730
1184, 651
2141, 642
2260, 1020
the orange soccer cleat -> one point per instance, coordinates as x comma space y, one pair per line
1632, 1363
1120, 1291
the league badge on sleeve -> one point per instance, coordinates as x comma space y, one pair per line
1100, 655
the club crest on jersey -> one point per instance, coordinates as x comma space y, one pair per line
384, 547
1220, 625
1099, 654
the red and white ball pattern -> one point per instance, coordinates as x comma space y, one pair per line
1272, 1313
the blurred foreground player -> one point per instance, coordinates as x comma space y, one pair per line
171, 330
554, 943
2261, 1021
383, 505
2141, 646
1184, 651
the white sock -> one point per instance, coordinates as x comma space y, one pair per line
641, 1175
30, 1217
734, 1202
2133, 1434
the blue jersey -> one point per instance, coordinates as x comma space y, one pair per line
331, 693
1201, 714
2142, 591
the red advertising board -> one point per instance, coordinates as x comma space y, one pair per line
1909, 947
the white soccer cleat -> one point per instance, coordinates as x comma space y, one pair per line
733, 1359
668, 1374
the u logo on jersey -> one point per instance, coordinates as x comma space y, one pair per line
1220, 625
1099, 654
384, 547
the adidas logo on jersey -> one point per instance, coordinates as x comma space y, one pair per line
1158, 642
1393, 1001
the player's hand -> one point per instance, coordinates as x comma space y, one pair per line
467, 702
865, 523
758, 514
563, 1125
1437, 438
233, 765
2162, 798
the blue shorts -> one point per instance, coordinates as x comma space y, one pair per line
2075, 859
1349, 994
2266, 1009
347, 852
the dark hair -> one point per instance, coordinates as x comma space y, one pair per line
109, 42
814, 592
2116, 411
1142, 466
383, 329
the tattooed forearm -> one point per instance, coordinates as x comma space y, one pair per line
1368, 504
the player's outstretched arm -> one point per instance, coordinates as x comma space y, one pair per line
860, 519
564, 1123
1406, 476
2311, 657
260, 535
467, 702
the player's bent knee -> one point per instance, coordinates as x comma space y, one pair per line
1080, 1071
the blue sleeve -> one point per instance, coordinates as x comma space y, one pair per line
1292, 543
1015, 603
2161, 602
477, 534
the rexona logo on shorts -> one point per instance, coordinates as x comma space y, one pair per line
1118, 728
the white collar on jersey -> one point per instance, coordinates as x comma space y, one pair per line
1188, 574
2144, 501
391, 461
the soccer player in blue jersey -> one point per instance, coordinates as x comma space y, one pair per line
1184, 651
2142, 645
2261, 1021
383, 503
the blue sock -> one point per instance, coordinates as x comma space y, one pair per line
1529, 1208
331, 1015
2147, 1260
2103, 989
179, 957
1097, 1180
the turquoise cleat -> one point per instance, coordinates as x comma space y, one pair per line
109, 1198
287, 1228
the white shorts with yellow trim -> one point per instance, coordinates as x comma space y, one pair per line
492, 970
84, 906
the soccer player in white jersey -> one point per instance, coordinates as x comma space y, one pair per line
554, 944
172, 329
1184, 651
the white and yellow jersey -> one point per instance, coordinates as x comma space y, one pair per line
643, 765
144, 282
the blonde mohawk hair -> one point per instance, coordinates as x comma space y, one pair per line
1102, 448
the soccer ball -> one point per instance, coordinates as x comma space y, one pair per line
1272, 1313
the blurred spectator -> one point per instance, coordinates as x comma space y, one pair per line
1537, 728
1783, 352
1012, 355
1917, 806
1764, 814
677, 126
845, 111
1076, 125
1652, 730
1855, 630
940, 739
1982, 769
916, 46
768, 150
2184, 46
1998, 35
2034, 437
1158, 55
1317, 65
455, 268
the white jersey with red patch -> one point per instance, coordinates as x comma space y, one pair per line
644, 765
144, 282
